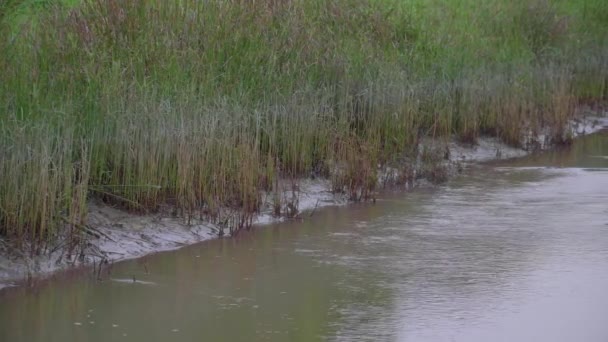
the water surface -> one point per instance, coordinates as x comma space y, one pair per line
510, 251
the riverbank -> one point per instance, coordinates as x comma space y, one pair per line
117, 235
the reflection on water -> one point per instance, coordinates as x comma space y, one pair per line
514, 251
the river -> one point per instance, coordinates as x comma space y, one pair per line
507, 251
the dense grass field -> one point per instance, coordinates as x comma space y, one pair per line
202, 104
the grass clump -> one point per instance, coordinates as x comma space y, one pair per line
202, 104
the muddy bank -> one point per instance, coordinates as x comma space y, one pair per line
118, 235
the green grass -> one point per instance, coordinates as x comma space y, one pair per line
202, 104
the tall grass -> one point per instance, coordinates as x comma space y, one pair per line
202, 104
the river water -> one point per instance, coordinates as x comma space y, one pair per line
510, 251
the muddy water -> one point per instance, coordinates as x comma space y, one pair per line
514, 251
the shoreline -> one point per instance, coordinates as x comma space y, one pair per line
122, 235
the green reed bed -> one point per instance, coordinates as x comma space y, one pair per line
200, 105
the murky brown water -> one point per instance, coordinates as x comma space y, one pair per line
514, 251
